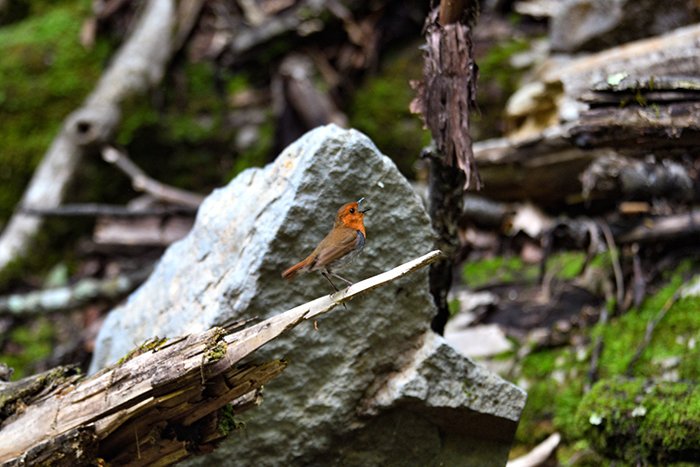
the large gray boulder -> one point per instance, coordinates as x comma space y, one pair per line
338, 385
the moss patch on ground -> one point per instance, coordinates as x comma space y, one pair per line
641, 422
380, 110
555, 378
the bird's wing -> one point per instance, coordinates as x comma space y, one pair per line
336, 245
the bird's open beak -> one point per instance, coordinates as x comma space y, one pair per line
359, 206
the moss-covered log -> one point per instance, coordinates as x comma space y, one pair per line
639, 421
161, 403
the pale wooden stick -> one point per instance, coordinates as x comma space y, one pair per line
142, 182
539, 454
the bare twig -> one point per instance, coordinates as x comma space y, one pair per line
597, 351
615, 260
327, 303
651, 326
71, 297
142, 182
110, 210
539, 454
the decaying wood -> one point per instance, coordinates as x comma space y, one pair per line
444, 99
546, 168
142, 182
448, 92
138, 65
639, 129
672, 54
71, 297
617, 177
543, 168
164, 401
139, 408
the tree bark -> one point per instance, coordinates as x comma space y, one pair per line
444, 99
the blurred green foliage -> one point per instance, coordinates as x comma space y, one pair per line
28, 344
380, 110
554, 378
44, 75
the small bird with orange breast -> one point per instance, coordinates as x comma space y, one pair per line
342, 244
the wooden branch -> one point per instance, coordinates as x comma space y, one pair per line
109, 210
634, 129
663, 228
162, 402
71, 297
539, 455
142, 182
138, 65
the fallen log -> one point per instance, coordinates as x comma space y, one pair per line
163, 402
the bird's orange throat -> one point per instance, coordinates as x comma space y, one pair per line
350, 216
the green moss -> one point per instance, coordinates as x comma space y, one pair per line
498, 269
26, 345
638, 421
380, 109
19, 394
554, 379
503, 270
498, 80
153, 344
216, 352
623, 335
227, 421
185, 141
44, 75
495, 64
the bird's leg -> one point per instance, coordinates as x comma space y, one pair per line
326, 274
337, 276
328, 278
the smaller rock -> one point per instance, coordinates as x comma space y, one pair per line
484, 340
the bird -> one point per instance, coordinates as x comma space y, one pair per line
342, 244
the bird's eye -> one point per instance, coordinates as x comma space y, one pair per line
352, 210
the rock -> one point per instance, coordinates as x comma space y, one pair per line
594, 25
437, 396
484, 340
229, 266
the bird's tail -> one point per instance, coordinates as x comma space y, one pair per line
290, 273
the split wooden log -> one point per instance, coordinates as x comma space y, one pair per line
163, 402
547, 167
